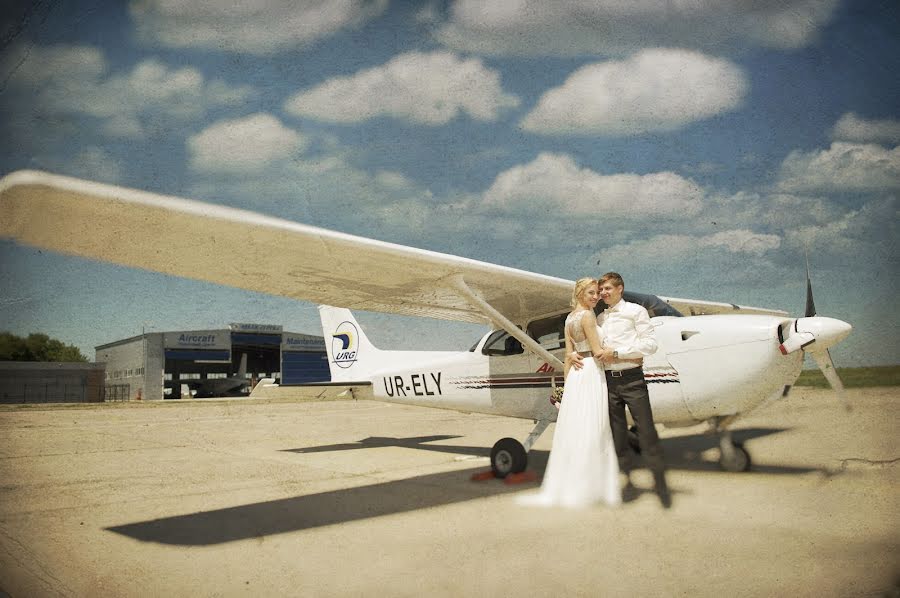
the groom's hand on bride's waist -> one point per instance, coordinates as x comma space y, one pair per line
575, 359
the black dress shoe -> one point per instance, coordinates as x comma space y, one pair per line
662, 490
664, 497
630, 492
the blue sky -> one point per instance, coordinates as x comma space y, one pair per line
699, 148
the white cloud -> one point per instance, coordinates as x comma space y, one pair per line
89, 162
851, 127
127, 126
278, 170
424, 88
654, 90
667, 249
257, 27
853, 234
96, 163
724, 266
247, 144
741, 241
555, 181
618, 27
775, 211
76, 80
843, 167
394, 180
35, 66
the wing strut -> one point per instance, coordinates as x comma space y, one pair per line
459, 284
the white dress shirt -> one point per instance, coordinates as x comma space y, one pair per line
626, 328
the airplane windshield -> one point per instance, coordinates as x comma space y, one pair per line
653, 304
501, 343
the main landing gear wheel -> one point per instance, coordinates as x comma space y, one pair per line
508, 456
735, 460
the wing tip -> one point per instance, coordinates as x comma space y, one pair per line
20, 178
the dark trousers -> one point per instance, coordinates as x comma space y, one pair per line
631, 389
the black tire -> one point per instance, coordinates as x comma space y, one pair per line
740, 462
508, 456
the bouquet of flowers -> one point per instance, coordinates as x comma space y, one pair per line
556, 395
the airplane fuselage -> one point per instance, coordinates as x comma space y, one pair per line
706, 367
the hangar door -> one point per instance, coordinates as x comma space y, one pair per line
303, 359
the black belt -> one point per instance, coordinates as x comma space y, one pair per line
628, 375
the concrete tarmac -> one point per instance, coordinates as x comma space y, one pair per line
355, 498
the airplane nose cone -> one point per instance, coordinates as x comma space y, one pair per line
827, 331
814, 334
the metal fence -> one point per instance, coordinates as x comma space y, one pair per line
48, 392
117, 392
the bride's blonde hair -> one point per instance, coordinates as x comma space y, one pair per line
581, 285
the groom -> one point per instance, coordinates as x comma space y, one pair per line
627, 334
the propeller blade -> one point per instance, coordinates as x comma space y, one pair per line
823, 360
810, 304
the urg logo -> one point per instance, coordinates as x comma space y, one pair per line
345, 344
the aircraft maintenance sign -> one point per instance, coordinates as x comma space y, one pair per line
203, 340
301, 342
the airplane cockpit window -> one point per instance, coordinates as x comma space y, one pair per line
550, 333
653, 304
501, 343
513, 346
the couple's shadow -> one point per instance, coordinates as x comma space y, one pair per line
686, 453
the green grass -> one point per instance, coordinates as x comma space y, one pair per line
886, 375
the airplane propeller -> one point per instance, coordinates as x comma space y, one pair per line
814, 335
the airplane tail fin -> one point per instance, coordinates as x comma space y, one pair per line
351, 356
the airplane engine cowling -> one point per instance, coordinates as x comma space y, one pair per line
729, 364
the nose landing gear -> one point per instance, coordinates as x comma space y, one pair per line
732, 455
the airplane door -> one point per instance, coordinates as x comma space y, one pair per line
550, 334
515, 389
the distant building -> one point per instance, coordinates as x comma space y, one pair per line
51, 382
165, 365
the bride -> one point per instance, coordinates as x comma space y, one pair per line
583, 468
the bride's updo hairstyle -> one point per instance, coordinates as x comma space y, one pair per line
581, 285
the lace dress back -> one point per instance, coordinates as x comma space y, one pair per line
575, 330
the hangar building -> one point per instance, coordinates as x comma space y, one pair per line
166, 365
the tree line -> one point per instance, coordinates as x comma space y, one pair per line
36, 347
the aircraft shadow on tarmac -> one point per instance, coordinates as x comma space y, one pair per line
682, 452
388, 498
314, 510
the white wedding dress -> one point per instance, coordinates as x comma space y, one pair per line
583, 468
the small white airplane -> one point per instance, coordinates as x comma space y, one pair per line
715, 365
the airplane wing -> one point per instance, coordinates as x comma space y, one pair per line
270, 255
260, 253
695, 307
